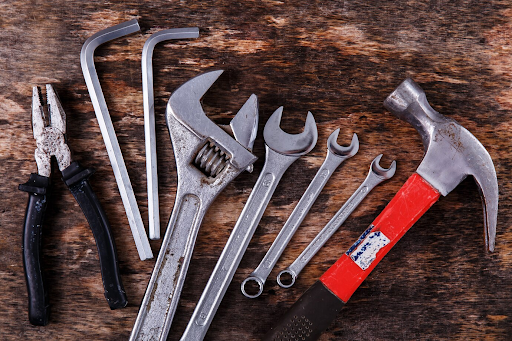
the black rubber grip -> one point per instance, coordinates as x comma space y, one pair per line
38, 306
308, 317
76, 178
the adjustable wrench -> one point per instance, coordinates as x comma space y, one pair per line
336, 154
282, 150
207, 159
375, 176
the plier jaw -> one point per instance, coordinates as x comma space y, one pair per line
51, 141
51, 138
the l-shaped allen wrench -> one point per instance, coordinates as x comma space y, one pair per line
149, 119
109, 134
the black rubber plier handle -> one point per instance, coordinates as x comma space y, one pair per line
51, 142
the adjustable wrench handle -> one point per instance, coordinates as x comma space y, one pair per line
275, 166
343, 278
76, 178
38, 306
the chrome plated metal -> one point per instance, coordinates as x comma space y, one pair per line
451, 151
207, 159
375, 176
282, 150
336, 154
109, 134
51, 138
149, 119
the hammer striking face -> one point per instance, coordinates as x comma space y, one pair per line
451, 154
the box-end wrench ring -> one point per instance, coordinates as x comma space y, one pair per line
336, 154
375, 176
282, 150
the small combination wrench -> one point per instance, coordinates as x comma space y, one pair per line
207, 159
375, 176
336, 154
282, 149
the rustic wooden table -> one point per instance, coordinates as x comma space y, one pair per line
339, 59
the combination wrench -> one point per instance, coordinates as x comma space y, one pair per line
336, 154
282, 150
207, 159
375, 176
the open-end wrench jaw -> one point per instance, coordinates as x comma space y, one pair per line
451, 151
184, 105
384, 173
341, 151
290, 144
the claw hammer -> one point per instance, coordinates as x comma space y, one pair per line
451, 154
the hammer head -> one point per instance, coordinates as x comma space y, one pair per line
451, 151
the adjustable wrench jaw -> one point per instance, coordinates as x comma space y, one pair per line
184, 107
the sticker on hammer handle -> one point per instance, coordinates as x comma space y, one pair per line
364, 251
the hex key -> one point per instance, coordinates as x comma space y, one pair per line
108, 132
149, 119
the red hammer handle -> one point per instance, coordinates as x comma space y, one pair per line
414, 198
318, 307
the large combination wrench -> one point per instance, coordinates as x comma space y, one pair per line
336, 154
282, 150
375, 176
207, 159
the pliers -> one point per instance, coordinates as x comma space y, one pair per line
51, 141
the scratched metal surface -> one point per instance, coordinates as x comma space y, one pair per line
339, 59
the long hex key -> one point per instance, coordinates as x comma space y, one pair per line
336, 154
108, 132
149, 119
375, 176
282, 150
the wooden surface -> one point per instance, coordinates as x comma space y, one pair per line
338, 59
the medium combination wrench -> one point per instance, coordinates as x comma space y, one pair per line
336, 154
282, 150
149, 119
109, 134
207, 159
375, 176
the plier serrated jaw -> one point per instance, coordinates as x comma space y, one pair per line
51, 138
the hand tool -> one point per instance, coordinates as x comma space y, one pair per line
149, 119
375, 176
109, 134
336, 154
207, 159
451, 154
51, 141
282, 150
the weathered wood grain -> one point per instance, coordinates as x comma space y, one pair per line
339, 59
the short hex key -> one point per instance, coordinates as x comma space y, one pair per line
108, 132
149, 119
